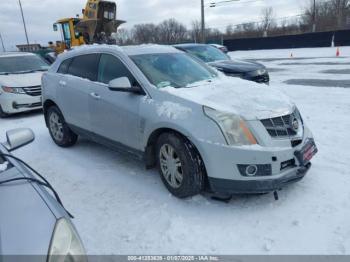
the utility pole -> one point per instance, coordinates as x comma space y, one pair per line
24, 22
2, 43
203, 22
314, 18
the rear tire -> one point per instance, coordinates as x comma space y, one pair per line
60, 132
179, 166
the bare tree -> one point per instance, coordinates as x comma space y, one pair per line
229, 30
213, 35
196, 31
340, 9
330, 15
145, 33
124, 37
268, 20
171, 32
246, 30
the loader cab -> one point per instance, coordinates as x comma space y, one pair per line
70, 37
107, 11
100, 10
99, 22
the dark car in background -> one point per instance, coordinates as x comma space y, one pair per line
236, 68
220, 47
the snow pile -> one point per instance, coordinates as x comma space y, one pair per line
297, 53
237, 96
173, 111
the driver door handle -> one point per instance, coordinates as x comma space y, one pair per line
63, 83
95, 96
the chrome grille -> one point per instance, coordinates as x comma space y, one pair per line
33, 90
282, 127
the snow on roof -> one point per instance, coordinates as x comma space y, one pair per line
128, 50
190, 45
15, 54
149, 49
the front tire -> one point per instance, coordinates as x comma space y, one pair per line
179, 166
60, 132
2, 113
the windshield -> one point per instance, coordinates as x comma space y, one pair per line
22, 64
207, 53
172, 69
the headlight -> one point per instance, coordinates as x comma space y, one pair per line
65, 244
233, 127
258, 72
261, 72
14, 90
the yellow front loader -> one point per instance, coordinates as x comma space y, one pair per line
70, 36
97, 26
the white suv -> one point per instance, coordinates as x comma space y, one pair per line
20, 82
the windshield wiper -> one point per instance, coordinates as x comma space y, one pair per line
4, 73
42, 182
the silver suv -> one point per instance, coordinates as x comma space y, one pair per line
201, 128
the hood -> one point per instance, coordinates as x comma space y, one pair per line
236, 66
21, 80
233, 95
24, 217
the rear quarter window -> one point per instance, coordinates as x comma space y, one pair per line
85, 66
63, 69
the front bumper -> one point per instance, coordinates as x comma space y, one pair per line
17, 103
257, 186
260, 79
222, 165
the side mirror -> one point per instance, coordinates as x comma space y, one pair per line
17, 138
55, 27
123, 84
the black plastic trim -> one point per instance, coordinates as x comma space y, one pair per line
227, 186
114, 145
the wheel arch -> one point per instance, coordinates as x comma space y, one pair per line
47, 104
150, 154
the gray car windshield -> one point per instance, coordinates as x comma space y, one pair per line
207, 53
173, 69
22, 64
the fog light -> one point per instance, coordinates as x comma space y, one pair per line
255, 170
251, 170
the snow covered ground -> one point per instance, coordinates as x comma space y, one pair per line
120, 208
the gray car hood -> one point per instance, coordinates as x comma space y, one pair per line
247, 99
26, 222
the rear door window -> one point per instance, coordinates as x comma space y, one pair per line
85, 66
111, 68
64, 66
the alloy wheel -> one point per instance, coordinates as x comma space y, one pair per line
56, 126
171, 166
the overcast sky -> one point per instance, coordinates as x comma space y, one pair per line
41, 14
